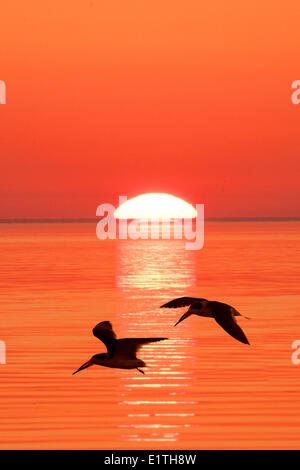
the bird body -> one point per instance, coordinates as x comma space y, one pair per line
121, 353
208, 308
117, 362
223, 314
201, 309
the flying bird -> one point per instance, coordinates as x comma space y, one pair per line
121, 353
224, 314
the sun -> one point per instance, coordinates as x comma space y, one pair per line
155, 206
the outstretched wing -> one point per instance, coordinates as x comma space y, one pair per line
106, 334
225, 318
181, 302
128, 347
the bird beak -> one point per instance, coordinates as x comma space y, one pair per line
184, 316
84, 366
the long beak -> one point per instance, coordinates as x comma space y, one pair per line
184, 316
84, 366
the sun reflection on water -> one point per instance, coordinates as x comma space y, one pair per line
153, 265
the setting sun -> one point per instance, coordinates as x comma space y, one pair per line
155, 206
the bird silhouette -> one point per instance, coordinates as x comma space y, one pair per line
224, 314
121, 353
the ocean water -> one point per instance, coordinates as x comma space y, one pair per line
202, 390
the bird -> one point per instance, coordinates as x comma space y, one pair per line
224, 314
121, 353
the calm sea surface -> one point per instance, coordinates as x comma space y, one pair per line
203, 389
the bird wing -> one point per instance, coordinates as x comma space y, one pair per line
181, 302
225, 318
104, 331
129, 346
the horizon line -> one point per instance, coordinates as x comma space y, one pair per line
96, 219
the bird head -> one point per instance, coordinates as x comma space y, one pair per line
99, 358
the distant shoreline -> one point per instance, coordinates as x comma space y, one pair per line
95, 220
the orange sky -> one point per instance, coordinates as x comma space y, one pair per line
191, 98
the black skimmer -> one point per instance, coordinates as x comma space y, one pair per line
121, 353
223, 314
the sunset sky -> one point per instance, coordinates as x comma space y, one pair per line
109, 98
